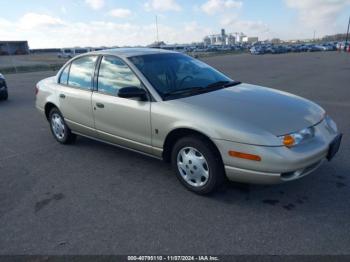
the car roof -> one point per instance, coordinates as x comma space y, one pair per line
129, 52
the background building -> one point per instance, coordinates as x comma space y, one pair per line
231, 40
250, 39
14, 48
239, 37
228, 39
219, 39
275, 41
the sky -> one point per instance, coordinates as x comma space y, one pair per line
69, 23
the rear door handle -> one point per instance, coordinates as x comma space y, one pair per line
63, 96
100, 105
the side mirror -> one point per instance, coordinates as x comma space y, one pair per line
132, 92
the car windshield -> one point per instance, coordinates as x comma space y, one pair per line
176, 75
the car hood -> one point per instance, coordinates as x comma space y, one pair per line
256, 109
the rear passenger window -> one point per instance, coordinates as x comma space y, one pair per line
64, 76
115, 74
81, 72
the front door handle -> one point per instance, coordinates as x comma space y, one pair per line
100, 105
63, 96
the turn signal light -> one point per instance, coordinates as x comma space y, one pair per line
288, 141
244, 155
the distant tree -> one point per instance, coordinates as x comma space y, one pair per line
336, 37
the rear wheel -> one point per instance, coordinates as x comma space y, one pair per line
197, 164
59, 128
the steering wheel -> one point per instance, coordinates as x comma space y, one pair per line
184, 79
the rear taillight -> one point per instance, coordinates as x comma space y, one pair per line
36, 90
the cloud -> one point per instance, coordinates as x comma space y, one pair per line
120, 13
224, 10
95, 4
162, 5
34, 20
320, 15
4, 24
212, 7
46, 31
249, 27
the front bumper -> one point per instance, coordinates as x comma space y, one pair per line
278, 164
256, 177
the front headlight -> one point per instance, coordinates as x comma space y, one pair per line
331, 125
296, 138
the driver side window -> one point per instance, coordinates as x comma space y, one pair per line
115, 74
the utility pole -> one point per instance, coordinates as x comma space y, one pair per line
347, 33
157, 29
314, 34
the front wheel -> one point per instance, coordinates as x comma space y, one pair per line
59, 128
197, 164
5, 96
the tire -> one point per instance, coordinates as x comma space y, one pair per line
4, 96
59, 128
198, 164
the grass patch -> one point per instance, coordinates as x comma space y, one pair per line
30, 68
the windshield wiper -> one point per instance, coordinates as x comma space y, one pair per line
191, 90
223, 84
201, 89
232, 83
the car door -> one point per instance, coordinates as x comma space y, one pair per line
121, 121
75, 94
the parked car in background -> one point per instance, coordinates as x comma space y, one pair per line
3, 88
342, 46
257, 50
66, 53
330, 47
72, 52
171, 106
268, 48
79, 51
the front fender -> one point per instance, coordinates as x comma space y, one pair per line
166, 117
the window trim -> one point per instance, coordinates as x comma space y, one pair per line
91, 89
64, 68
97, 74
